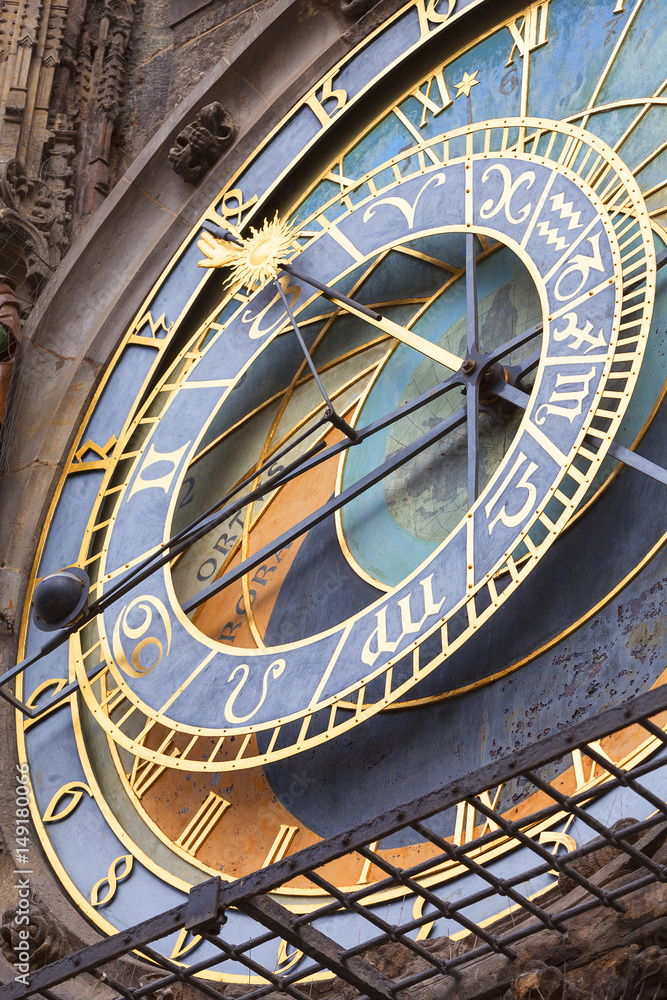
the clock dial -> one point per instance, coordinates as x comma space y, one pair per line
294, 668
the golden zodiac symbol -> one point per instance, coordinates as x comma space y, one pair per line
111, 880
75, 790
277, 667
402, 204
137, 669
489, 209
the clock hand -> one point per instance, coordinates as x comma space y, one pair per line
334, 504
307, 461
330, 412
218, 257
470, 363
432, 351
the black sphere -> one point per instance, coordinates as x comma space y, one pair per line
59, 598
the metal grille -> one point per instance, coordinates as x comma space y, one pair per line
507, 886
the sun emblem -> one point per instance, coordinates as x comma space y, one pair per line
254, 259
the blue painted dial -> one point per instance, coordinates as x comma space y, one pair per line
315, 690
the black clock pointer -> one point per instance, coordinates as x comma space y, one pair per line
330, 412
478, 365
207, 521
329, 508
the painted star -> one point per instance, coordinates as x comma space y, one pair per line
466, 84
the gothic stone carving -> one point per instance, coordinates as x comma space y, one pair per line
200, 143
46, 940
356, 8
173, 992
31, 212
10, 333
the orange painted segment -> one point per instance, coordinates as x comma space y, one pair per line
224, 616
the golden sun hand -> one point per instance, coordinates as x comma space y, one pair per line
218, 253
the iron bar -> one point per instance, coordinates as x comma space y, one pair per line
525, 761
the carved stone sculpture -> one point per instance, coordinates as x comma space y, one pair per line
200, 143
46, 940
172, 992
10, 334
356, 8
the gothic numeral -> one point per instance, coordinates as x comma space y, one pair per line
425, 97
530, 31
513, 520
67, 798
143, 480
119, 869
432, 12
328, 94
466, 814
280, 845
203, 823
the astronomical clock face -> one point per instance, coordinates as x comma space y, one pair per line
371, 401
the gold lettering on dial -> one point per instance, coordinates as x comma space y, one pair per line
229, 211
402, 204
154, 325
274, 670
512, 520
530, 31
578, 763
510, 188
566, 392
466, 814
160, 482
203, 823
280, 845
68, 798
146, 772
378, 636
183, 945
119, 869
57, 684
558, 840
287, 959
582, 264
368, 864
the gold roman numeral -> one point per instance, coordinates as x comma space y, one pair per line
426, 100
280, 845
530, 32
464, 827
146, 772
202, 823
